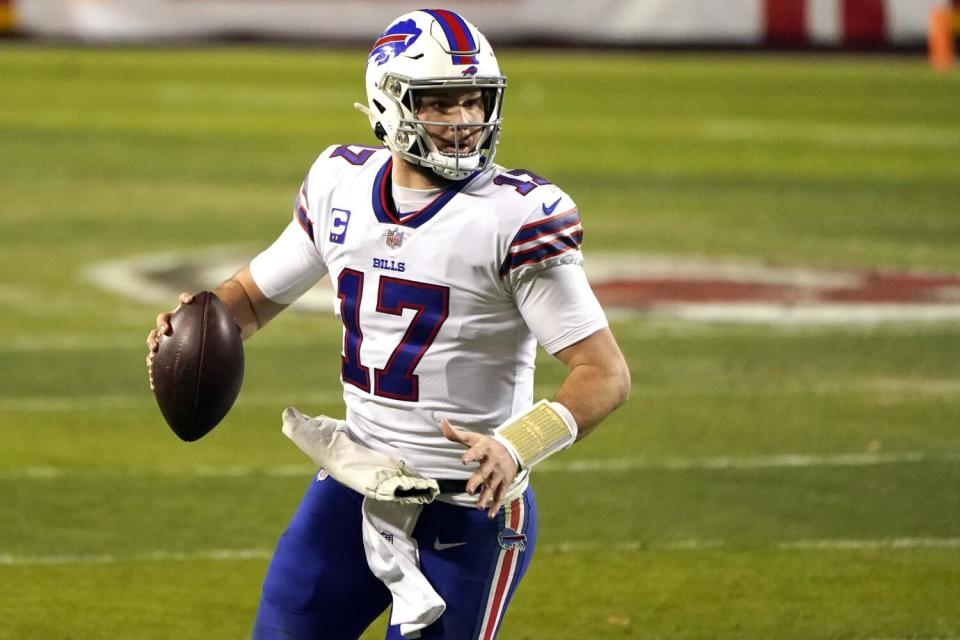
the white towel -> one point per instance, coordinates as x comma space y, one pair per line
328, 443
394, 558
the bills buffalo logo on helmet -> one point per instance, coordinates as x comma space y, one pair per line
394, 41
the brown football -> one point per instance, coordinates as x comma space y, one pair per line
198, 367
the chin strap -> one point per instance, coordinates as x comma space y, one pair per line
434, 156
364, 109
378, 129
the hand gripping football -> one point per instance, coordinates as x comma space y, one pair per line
198, 367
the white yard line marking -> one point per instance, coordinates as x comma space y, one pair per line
56, 473
629, 545
813, 314
828, 544
92, 342
260, 554
888, 389
586, 465
883, 543
44, 404
32, 344
750, 462
833, 134
151, 556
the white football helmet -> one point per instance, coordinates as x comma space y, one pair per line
424, 51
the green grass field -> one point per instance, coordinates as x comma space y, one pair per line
679, 518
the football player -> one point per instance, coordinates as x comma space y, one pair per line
448, 270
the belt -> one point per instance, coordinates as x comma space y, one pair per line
452, 486
446, 486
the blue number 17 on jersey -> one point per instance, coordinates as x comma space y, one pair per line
396, 380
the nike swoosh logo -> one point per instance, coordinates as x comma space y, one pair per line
440, 546
548, 210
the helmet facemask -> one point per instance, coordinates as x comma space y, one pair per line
413, 141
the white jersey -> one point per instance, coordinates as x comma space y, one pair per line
442, 307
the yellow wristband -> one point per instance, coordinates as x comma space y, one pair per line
537, 433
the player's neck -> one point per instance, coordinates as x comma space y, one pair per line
411, 176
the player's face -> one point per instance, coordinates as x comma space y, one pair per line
455, 107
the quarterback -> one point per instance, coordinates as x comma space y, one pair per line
449, 270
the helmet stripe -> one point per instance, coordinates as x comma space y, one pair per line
455, 28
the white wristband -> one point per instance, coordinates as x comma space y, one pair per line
537, 433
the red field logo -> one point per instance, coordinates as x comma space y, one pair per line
751, 292
631, 284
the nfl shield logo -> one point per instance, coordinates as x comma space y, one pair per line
394, 238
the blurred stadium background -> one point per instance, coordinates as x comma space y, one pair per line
770, 193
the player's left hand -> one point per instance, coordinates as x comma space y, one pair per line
496, 472
162, 329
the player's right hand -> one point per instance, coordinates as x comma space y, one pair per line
162, 329
496, 469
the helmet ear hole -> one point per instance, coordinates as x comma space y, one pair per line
379, 106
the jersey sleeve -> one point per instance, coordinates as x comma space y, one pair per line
292, 264
559, 306
545, 239
543, 270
